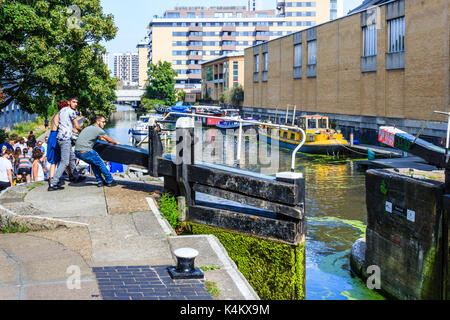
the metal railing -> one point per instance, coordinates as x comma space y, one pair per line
240, 120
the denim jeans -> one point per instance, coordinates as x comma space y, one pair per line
67, 159
97, 165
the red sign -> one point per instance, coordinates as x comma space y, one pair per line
386, 137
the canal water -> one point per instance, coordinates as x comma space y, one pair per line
335, 212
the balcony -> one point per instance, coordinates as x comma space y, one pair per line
195, 47
262, 38
195, 38
195, 29
194, 76
228, 48
194, 66
262, 28
195, 57
228, 28
228, 38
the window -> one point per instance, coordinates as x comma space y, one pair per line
266, 61
369, 41
235, 71
396, 31
312, 52
256, 62
298, 55
191, 14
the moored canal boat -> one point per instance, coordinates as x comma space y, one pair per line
320, 139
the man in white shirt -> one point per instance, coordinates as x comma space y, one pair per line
67, 122
6, 170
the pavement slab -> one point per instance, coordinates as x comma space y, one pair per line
95, 229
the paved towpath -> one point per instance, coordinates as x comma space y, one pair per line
86, 242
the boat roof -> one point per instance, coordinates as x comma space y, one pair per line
314, 116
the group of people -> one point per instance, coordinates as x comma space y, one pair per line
39, 161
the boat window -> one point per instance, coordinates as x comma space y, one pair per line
302, 123
145, 120
268, 130
323, 123
285, 134
312, 124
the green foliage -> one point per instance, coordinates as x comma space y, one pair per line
3, 135
180, 94
208, 268
14, 227
211, 288
276, 271
43, 57
161, 83
149, 104
169, 209
22, 129
233, 97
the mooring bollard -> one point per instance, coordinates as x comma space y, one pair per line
185, 268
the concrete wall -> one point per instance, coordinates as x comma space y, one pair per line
343, 91
406, 235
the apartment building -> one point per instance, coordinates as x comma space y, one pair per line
126, 68
222, 74
382, 65
143, 63
187, 36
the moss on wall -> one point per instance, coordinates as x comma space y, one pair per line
276, 271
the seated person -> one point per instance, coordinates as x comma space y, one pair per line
84, 151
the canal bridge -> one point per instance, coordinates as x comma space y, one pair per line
130, 96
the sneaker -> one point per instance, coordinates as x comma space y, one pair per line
61, 182
99, 184
112, 184
55, 188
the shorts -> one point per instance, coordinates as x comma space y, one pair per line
24, 171
53, 150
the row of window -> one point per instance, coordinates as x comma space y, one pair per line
301, 14
231, 33
396, 37
188, 71
235, 24
190, 15
301, 4
396, 43
201, 52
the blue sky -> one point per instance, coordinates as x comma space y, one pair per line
133, 16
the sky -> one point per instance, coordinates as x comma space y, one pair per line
133, 16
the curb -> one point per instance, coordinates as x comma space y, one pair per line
229, 266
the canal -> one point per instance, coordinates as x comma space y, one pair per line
335, 210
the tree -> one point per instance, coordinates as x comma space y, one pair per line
50, 49
161, 83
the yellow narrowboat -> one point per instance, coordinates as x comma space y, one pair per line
320, 139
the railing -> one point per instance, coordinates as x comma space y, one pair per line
235, 119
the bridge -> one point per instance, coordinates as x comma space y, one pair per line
132, 96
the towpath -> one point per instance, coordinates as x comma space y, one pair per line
86, 242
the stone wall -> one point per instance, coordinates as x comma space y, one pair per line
406, 235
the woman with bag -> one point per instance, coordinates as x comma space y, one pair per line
53, 151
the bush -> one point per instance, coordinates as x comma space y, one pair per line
3, 135
169, 209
